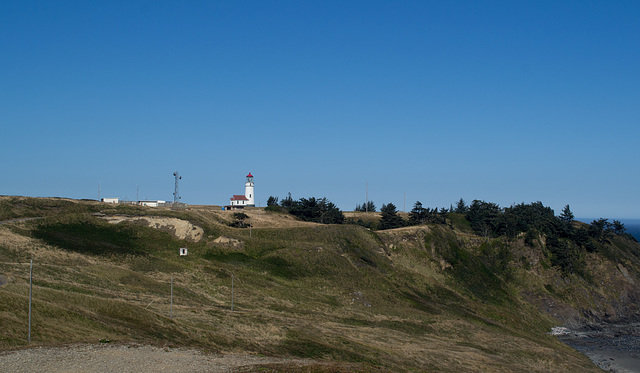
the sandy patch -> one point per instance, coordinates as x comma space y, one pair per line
182, 229
227, 241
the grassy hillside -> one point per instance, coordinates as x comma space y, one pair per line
431, 297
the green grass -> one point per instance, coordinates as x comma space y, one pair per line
25, 207
276, 266
306, 344
459, 222
89, 235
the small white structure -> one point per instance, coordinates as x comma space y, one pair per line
110, 200
151, 203
183, 251
239, 201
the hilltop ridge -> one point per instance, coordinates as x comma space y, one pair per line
426, 297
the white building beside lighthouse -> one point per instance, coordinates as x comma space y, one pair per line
239, 201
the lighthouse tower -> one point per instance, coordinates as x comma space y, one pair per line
248, 191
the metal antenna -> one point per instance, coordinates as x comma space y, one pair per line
176, 194
366, 198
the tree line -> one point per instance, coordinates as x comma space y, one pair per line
566, 240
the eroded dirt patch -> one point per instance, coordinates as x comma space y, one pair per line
182, 229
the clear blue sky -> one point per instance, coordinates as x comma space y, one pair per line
502, 101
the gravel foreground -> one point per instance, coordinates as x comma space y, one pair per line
128, 358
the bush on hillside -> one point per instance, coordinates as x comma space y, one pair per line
422, 215
240, 220
390, 218
317, 210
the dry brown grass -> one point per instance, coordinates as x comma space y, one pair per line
349, 313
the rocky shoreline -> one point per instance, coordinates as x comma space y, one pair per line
613, 348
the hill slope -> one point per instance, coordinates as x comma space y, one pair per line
431, 297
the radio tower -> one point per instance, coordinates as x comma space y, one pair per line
176, 194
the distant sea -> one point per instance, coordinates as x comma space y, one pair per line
632, 225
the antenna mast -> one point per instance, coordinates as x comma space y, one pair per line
176, 194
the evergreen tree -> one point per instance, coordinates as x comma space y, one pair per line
565, 226
601, 230
483, 217
567, 215
532, 216
441, 218
272, 201
618, 227
317, 210
563, 255
461, 207
390, 218
418, 215
368, 206
287, 202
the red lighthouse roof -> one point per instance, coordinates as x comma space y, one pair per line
249, 175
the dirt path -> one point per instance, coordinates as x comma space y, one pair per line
128, 358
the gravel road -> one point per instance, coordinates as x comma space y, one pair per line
127, 358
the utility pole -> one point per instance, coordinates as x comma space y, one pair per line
30, 293
366, 198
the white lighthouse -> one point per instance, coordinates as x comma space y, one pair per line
239, 201
248, 191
